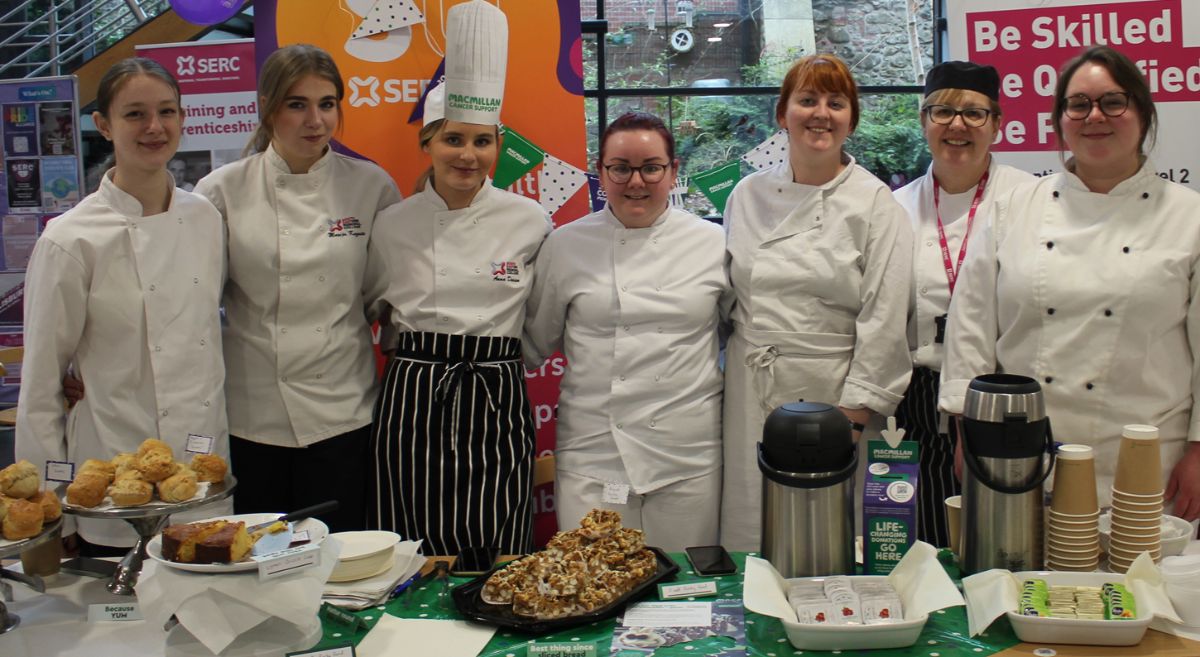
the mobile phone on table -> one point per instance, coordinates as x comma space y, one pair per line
474, 561
709, 560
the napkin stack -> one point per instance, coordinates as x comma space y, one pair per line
376, 590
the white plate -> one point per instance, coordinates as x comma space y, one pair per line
317, 531
340, 575
854, 637
1034, 629
360, 545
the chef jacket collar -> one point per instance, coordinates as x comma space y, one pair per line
123, 202
439, 203
783, 173
658, 222
1135, 183
281, 165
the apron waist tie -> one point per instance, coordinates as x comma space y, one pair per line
766, 347
449, 385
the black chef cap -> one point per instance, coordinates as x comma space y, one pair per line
964, 75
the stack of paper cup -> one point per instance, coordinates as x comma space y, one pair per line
1073, 522
1137, 498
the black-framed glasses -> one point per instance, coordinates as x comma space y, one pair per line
944, 114
1112, 104
620, 173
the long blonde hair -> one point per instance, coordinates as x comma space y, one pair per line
284, 68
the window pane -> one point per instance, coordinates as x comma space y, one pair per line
889, 142
751, 42
712, 130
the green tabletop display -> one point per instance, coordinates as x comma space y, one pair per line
945, 635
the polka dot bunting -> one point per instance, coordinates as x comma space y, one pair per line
557, 183
769, 153
388, 15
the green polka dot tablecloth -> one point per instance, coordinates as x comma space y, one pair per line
945, 635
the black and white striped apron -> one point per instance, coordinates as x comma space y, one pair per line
454, 445
917, 414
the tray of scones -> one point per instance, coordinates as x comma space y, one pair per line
583, 575
151, 476
25, 509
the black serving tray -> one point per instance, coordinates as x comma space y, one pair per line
471, 605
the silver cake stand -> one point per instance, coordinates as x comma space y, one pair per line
9, 621
147, 520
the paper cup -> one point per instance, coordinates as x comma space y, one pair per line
1068, 547
1129, 555
1132, 538
1136, 499
1054, 563
1057, 521
1151, 517
1139, 465
1118, 527
1073, 517
1134, 543
1073, 530
1075, 563
1075, 552
1074, 481
1074, 535
1083, 568
954, 521
1135, 535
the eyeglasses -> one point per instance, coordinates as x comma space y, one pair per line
944, 115
1079, 106
621, 173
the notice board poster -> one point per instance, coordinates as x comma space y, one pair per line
39, 180
220, 107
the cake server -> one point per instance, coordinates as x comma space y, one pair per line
281, 538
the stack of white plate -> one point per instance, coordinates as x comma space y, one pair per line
364, 554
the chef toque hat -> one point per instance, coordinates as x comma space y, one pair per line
435, 104
476, 62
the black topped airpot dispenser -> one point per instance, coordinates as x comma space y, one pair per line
808, 459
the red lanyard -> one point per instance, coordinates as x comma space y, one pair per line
952, 269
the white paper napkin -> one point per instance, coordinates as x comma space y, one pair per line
918, 578
1145, 580
922, 583
218, 607
421, 636
989, 595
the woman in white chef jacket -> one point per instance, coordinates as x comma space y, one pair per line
820, 259
1088, 282
301, 377
126, 286
961, 118
454, 440
639, 417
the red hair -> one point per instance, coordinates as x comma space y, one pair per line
823, 73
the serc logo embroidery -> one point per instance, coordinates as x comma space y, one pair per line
345, 227
185, 65
371, 84
507, 271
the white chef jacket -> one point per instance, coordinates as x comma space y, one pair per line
929, 295
133, 302
462, 272
1095, 296
299, 300
821, 275
637, 310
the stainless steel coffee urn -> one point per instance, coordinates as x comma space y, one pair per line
1007, 455
808, 459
